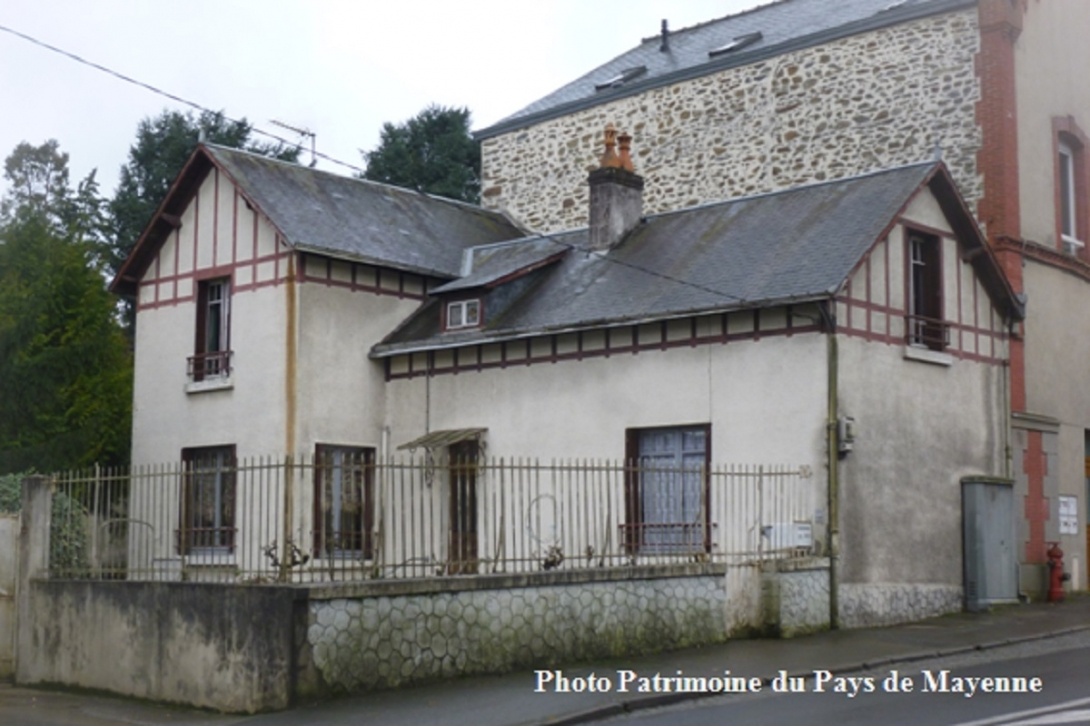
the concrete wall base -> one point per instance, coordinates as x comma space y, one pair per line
883, 604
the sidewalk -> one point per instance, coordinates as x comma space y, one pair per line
511, 699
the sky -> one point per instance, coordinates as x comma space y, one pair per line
337, 68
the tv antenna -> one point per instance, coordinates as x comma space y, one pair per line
303, 132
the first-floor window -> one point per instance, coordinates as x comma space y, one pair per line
666, 498
464, 461
208, 500
344, 501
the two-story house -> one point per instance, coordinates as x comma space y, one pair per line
260, 287
792, 277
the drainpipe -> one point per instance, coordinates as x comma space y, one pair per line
290, 375
1008, 415
290, 358
833, 456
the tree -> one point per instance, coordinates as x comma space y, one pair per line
65, 365
38, 177
432, 152
163, 144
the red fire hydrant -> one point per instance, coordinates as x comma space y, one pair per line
1056, 575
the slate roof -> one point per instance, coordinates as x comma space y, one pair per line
784, 26
789, 246
323, 212
326, 213
490, 264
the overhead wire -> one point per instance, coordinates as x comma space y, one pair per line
167, 94
193, 104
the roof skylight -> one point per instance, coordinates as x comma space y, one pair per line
738, 43
621, 78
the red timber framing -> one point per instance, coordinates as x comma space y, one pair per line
361, 277
867, 308
689, 332
239, 254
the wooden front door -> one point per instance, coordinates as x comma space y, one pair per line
462, 553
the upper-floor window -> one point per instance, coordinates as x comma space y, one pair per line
1068, 203
925, 325
212, 353
464, 313
1072, 188
1067, 163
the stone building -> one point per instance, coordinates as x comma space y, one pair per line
803, 91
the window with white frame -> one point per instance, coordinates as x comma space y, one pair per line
464, 313
1067, 170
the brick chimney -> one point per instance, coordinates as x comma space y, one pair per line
616, 193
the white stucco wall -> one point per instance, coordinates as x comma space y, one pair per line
342, 391
218, 237
1056, 372
764, 399
920, 428
1051, 58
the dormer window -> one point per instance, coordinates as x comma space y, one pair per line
464, 314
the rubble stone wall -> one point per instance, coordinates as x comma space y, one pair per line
870, 101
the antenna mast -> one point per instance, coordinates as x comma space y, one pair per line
301, 131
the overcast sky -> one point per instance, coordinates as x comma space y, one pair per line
338, 68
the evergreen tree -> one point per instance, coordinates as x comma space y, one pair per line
163, 144
432, 152
65, 365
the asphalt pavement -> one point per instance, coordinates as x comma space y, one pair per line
529, 697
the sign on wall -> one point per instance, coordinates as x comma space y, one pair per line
1069, 515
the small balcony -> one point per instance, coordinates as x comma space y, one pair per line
209, 371
924, 332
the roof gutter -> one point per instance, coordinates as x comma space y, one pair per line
381, 350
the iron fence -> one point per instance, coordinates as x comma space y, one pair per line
350, 516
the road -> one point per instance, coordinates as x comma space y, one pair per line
1060, 664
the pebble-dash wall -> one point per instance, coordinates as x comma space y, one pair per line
368, 642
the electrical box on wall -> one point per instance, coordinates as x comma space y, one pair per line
845, 434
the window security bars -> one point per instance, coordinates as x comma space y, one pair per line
357, 518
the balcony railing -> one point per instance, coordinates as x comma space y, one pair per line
215, 364
931, 333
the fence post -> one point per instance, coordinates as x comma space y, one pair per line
34, 522
288, 517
